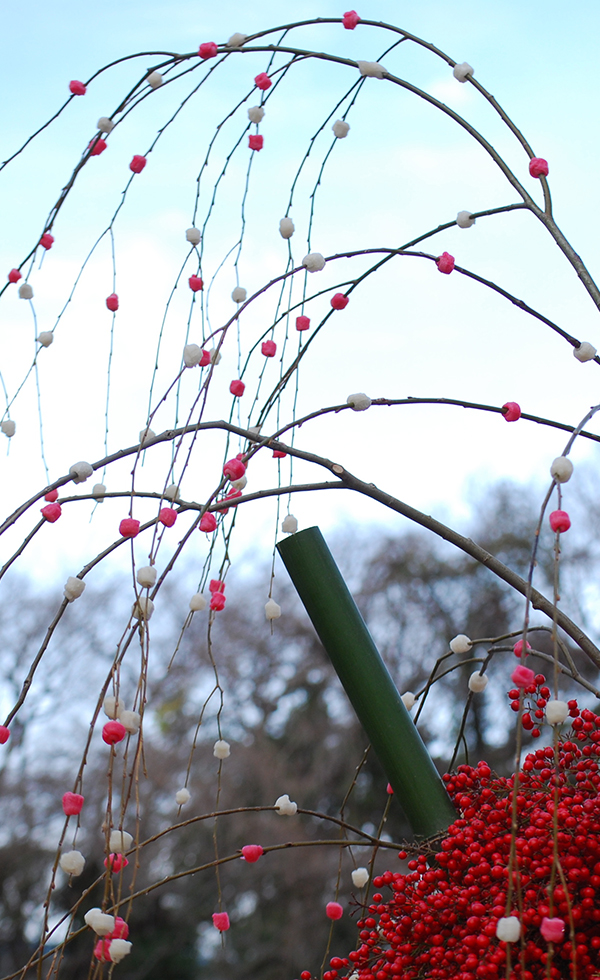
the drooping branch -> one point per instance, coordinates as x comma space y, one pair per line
468, 546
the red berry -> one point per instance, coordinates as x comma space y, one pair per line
112, 302
208, 522
72, 804
560, 521
228, 496
77, 88
98, 146
137, 164
445, 263
113, 732
129, 527
522, 676
339, 301
350, 20
538, 167
114, 862
262, 81
121, 930
234, 469
102, 950
217, 601
511, 411
208, 50
167, 516
221, 921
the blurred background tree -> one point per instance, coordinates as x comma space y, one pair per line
293, 732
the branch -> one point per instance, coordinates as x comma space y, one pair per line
538, 601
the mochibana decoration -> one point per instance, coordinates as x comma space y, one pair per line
440, 920
507, 878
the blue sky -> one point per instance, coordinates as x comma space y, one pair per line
401, 170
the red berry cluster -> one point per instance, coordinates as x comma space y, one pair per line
535, 699
440, 919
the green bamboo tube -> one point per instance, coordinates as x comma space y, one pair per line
367, 683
